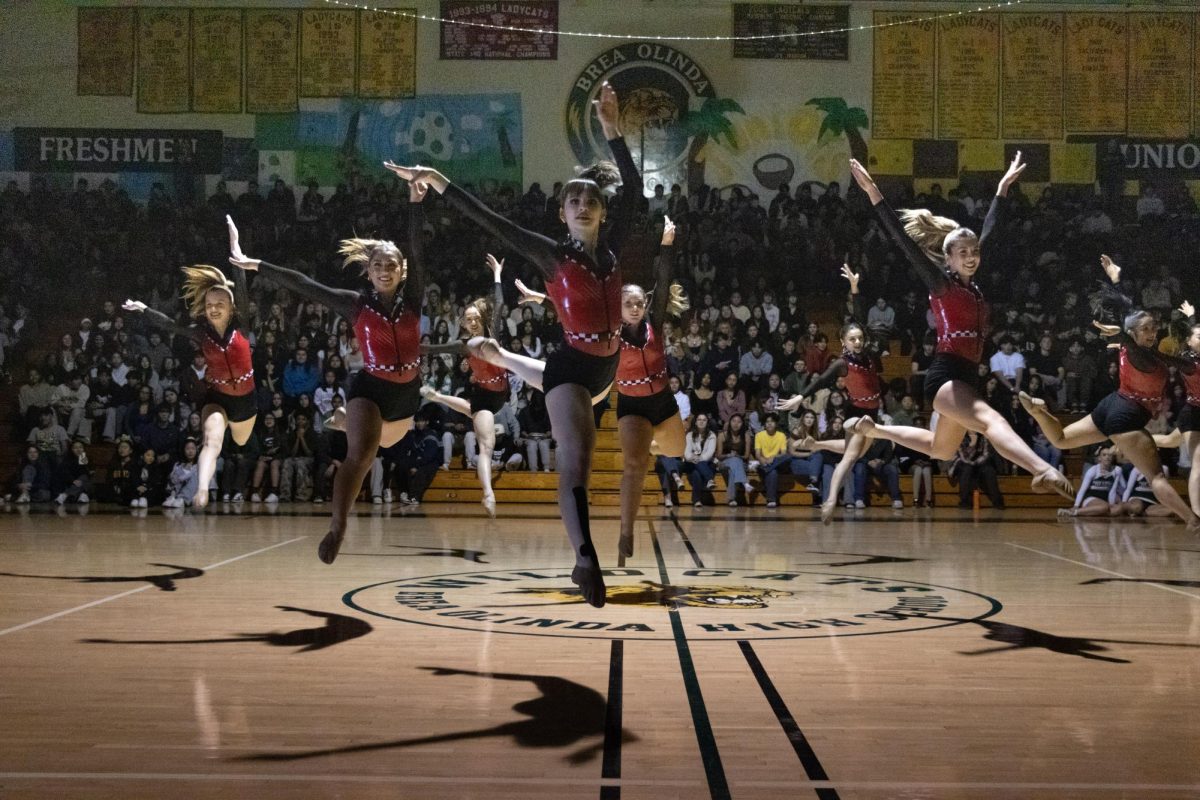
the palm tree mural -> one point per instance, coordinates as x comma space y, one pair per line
502, 121
841, 119
707, 123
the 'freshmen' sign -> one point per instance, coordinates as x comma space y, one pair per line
116, 150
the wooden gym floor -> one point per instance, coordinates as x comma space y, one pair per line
743, 654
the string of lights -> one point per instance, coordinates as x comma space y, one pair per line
594, 35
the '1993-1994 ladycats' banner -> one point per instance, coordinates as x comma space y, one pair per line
163, 71
465, 36
216, 60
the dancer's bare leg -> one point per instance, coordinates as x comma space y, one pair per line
856, 445
1095, 507
1191, 440
669, 438
635, 433
392, 432
214, 436
573, 427
1079, 433
459, 404
1139, 448
528, 369
363, 428
485, 435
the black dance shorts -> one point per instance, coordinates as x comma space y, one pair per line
945, 368
396, 401
1189, 418
855, 411
568, 365
482, 399
657, 408
237, 407
1116, 414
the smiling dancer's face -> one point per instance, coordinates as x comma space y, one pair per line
218, 307
963, 258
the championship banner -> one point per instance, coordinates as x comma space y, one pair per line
1196, 73
327, 42
772, 19
217, 61
1160, 75
1033, 76
1096, 51
473, 43
163, 69
903, 94
105, 52
387, 54
969, 77
272, 46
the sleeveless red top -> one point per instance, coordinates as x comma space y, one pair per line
1191, 383
488, 376
230, 368
588, 305
391, 342
862, 382
642, 370
1147, 389
961, 316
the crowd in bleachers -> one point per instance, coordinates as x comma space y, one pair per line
762, 274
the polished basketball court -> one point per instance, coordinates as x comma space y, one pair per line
743, 654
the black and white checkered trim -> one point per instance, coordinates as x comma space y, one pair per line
592, 337
406, 366
644, 381
233, 381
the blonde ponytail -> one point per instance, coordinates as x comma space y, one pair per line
930, 232
198, 280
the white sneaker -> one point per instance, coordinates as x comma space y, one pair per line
238, 497
62, 498
859, 504
667, 501
376, 500
170, 502
272, 498
897, 504
404, 498
83, 498
256, 497
24, 498
225, 497
387, 495
135, 503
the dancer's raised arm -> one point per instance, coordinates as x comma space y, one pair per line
339, 301
534, 247
663, 264
161, 320
931, 274
497, 320
998, 210
608, 112
414, 274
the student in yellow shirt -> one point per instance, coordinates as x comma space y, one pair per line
770, 450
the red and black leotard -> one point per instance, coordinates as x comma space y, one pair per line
864, 390
229, 368
388, 334
642, 369
585, 290
961, 314
489, 387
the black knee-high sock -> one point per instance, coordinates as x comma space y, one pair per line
581, 508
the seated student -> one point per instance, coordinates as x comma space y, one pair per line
770, 450
419, 460
1101, 494
238, 465
33, 477
974, 468
299, 455
331, 452
806, 460
270, 459
184, 478
734, 453
149, 481
74, 480
1139, 500
534, 420
120, 473
699, 456
879, 461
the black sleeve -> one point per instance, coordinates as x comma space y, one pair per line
539, 250
662, 285
632, 192
1147, 359
453, 348
836, 369
165, 323
339, 301
857, 312
241, 290
496, 323
414, 281
930, 273
996, 215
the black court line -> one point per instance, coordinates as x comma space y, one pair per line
718, 786
808, 758
612, 721
686, 541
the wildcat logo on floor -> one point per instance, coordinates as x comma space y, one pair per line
712, 604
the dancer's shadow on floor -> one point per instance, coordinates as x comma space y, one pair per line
1191, 584
1017, 637
338, 628
165, 582
474, 556
869, 559
564, 714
